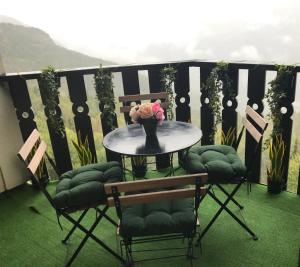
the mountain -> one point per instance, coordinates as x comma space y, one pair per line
5, 19
29, 49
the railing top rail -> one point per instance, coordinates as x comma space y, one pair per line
117, 68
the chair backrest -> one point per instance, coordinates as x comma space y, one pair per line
165, 189
127, 100
254, 124
33, 153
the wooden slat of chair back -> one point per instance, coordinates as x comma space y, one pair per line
252, 130
29, 145
133, 186
155, 196
33, 151
152, 96
37, 158
127, 99
259, 120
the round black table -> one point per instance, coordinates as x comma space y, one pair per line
172, 136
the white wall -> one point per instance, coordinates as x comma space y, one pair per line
12, 172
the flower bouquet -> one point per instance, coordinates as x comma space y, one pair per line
148, 115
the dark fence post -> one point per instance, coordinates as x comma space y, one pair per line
207, 116
59, 142
287, 123
182, 99
155, 85
256, 91
107, 127
229, 102
130, 78
82, 120
21, 99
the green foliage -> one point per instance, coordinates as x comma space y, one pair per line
229, 138
105, 94
276, 93
139, 161
276, 154
217, 80
49, 87
83, 150
167, 80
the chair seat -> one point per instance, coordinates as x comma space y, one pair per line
174, 216
83, 187
221, 162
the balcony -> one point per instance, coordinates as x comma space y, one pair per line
31, 222
29, 238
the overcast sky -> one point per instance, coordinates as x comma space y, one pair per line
146, 31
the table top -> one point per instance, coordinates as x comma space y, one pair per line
172, 136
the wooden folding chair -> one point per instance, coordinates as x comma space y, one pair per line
74, 192
157, 210
224, 166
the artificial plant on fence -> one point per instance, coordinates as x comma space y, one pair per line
167, 81
275, 96
105, 94
49, 85
217, 81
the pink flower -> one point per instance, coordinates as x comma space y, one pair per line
145, 111
134, 114
160, 115
155, 106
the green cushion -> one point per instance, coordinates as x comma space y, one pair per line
220, 162
84, 187
174, 216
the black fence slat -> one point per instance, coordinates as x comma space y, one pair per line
229, 102
287, 123
155, 85
82, 120
107, 128
131, 86
182, 89
206, 113
22, 103
58, 141
255, 93
182, 99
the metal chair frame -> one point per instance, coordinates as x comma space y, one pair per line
140, 186
37, 160
256, 126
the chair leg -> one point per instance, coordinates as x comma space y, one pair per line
128, 251
65, 240
227, 194
236, 218
223, 207
89, 234
107, 217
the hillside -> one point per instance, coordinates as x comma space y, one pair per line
30, 49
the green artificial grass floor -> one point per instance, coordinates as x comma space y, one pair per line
31, 239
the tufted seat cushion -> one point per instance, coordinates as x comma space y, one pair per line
83, 187
174, 216
220, 162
